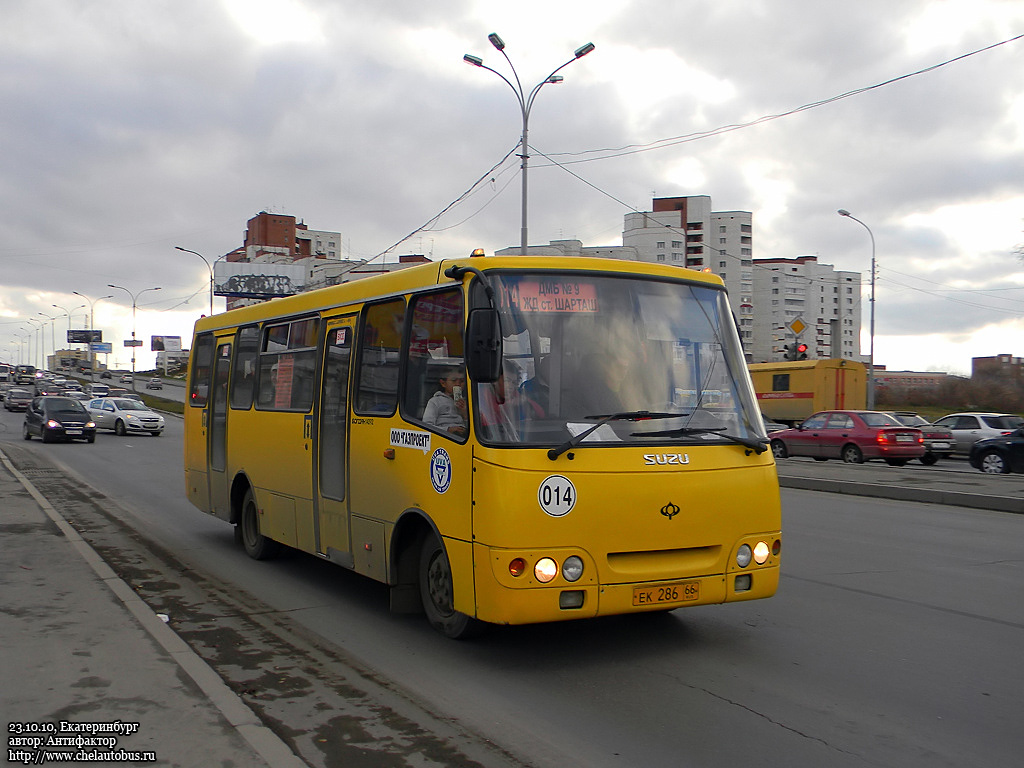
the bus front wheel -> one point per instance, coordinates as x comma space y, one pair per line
437, 591
257, 546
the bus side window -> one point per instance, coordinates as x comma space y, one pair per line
287, 363
435, 347
377, 380
243, 377
202, 366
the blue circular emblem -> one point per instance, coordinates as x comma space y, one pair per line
440, 470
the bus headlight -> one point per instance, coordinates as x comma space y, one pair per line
572, 568
545, 570
761, 553
743, 555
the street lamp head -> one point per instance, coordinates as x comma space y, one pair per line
476, 61
843, 212
555, 79
496, 41
583, 50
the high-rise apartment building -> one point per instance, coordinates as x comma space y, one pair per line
800, 300
684, 231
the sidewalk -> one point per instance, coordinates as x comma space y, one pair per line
80, 648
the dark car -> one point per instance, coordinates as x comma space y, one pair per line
938, 439
47, 387
17, 399
58, 418
999, 455
853, 436
106, 375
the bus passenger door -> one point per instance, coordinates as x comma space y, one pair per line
330, 444
217, 419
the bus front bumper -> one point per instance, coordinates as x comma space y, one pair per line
528, 602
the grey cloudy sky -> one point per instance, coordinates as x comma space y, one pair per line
132, 126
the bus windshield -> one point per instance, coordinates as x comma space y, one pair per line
655, 360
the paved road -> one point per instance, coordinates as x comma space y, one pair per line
888, 642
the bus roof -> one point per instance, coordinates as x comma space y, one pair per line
425, 275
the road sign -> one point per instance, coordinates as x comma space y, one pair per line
133, 342
798, 326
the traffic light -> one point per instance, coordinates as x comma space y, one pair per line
795, 352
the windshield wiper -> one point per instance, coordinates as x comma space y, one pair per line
759, 445
575, 440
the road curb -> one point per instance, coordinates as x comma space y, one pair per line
898, 493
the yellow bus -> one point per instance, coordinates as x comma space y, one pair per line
501, 440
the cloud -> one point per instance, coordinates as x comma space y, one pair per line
134, 127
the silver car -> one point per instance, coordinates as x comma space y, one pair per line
125, 415
969, 428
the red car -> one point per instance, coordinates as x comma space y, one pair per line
853, 436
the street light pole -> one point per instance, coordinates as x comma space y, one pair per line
67, 312
38, 332
871, 347
525, 105
208, 266
135, 298
92, 325
53, 336
23, 335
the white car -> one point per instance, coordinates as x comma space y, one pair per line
126, 379
969, 428
125, 415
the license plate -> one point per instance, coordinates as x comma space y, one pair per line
658, 594
72, 431
940, 445
904, 438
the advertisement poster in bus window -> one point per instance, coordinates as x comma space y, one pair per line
565, 294
437, 326
282, 371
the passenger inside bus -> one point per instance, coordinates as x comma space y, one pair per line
604, 384
538, 387
505, 406
447, 408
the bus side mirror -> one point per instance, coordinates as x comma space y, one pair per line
483, 345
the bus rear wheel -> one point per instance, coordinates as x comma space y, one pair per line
437, 592
257, 546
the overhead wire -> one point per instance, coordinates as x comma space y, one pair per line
675, 140
609, 153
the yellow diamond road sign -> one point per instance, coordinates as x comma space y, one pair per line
797, 326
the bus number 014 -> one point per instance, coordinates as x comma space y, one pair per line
556, 495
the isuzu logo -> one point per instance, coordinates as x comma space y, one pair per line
670, 510
666, 458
